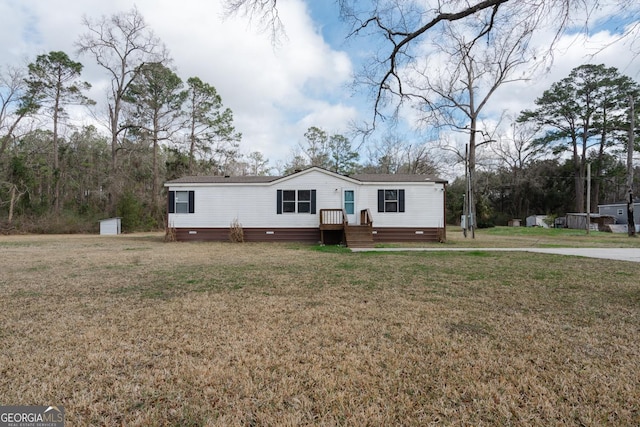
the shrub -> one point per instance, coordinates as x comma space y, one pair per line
236, 234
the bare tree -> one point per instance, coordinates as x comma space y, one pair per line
516, 148
515, 151
393, 155
16, 103
121, 44
454, 95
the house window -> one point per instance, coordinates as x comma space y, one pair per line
304, 201
288, 201
296, 201
391, 200
181, 202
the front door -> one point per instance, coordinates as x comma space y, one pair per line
349, 205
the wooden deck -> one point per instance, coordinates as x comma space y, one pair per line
354, 236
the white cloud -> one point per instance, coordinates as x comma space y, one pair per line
571, 52
273, 92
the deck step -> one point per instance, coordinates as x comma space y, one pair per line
359, 236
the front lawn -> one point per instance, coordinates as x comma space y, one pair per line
128, 330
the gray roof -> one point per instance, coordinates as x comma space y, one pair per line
370, 177
398, 177
223, 179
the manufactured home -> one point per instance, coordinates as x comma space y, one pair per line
619, 212
311, 205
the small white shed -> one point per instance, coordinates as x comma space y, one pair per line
110, 226
537, 221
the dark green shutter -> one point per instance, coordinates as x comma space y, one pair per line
192, 199
380, 200
171, 204
400, 200
313, 202
279, 201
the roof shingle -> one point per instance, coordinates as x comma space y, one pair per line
266, 179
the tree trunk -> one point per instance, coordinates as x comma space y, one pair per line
12, 203
156, 174
56, 156
112, 187
578, 177
192, 137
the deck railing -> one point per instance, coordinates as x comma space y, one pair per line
365, 217
330, 218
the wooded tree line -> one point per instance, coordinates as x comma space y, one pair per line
540, 166
55, 177
58, 177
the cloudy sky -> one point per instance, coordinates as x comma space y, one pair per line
275, 93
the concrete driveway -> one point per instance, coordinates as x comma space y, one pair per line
618, 254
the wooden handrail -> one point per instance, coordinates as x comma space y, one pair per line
339, 217
365, 217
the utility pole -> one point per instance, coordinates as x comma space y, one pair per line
631, 225
468, 198
588, 198
465, 202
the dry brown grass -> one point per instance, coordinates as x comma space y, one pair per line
127, 330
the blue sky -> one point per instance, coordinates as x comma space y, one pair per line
275, 94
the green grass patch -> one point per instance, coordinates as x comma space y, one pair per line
330, 249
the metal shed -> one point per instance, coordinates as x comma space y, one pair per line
110, 226
597, 222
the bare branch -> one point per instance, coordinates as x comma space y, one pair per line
264, 12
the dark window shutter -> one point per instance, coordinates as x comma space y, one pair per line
171, 205
279, 201
313, 202
400, 200
192, 199
380, 200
